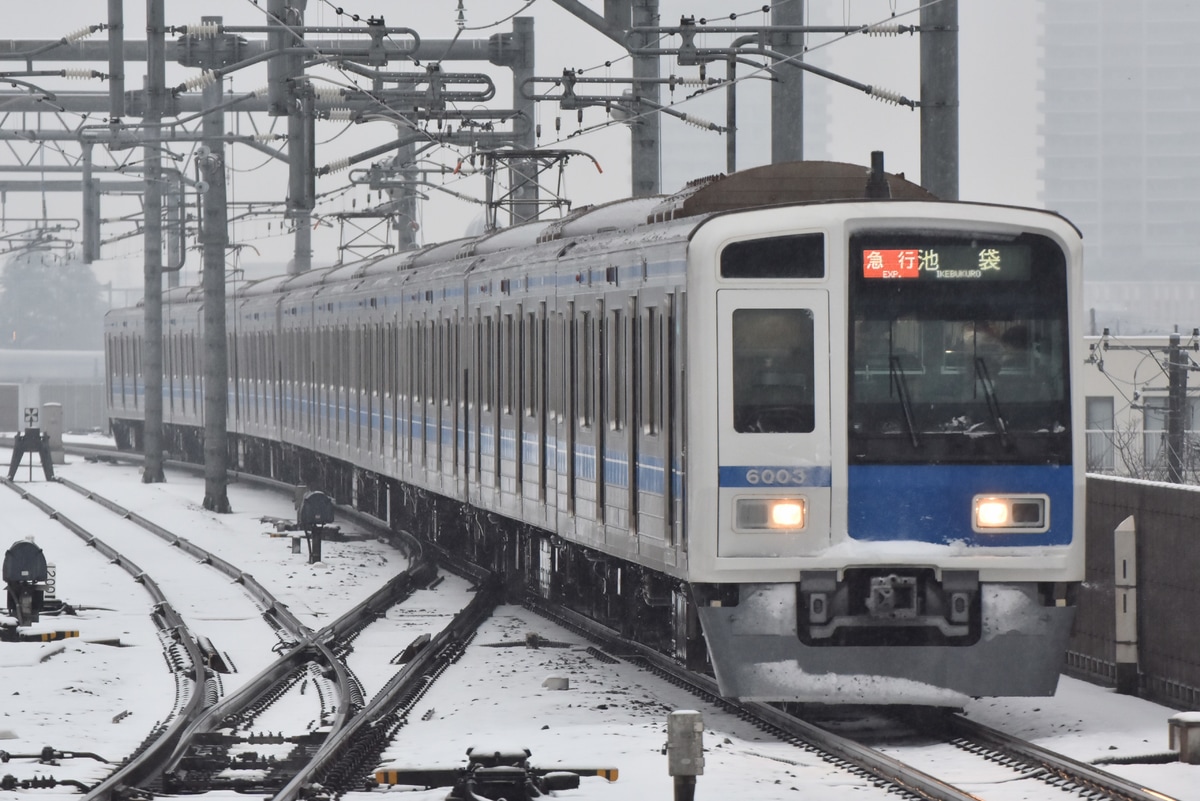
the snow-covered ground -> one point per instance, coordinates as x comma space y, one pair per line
87, 695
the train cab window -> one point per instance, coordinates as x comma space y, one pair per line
773, 371
959, 349
794, 256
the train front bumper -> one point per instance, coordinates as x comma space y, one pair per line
757, 654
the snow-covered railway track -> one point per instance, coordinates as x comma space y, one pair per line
187, 572
1016, 764
1008, 768
181, 646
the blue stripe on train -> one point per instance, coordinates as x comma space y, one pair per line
933, 503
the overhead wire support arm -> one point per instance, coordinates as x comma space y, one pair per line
46, 94
689, 27
570, 100
46, 47
684, 116
722, 53
472, 137
434, 78
64, 73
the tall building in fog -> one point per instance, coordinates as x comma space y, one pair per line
1122, 133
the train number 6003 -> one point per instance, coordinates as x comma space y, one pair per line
775, 475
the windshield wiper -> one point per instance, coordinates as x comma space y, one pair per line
897, 376
989, 392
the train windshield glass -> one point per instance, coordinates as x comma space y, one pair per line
958, 349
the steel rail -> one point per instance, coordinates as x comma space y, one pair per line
1088, 777
409, 683
271, 606
877, 765
171, 623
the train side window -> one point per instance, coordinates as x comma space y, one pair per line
489, 375
586, 368
615, 370
556, 347
506, 365
532, 373
447, 362
793, 256
650, 365
773, 371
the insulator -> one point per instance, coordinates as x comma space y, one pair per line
337, 166
206, 78
261, 91
75, 36
79, 74
265, 137
882, 29
689, 81
886, 95
341, 114
327, 93
204, 30
699, 123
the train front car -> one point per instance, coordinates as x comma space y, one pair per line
890, 510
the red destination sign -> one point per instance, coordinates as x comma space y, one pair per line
891, 263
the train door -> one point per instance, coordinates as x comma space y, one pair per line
617, 460
395, 364
371, 345
588, 439
437, 362
450, 391
427, 407
533, 409
675, 416
508, 417
565, 351
277, 360
773, 439
412, 391
649, 495
488, 451
474, 396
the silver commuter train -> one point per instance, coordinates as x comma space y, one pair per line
838, 434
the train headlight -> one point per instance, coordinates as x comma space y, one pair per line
1011, 514
771, 514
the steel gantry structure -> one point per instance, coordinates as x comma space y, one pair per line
427, 105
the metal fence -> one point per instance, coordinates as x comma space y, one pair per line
1167, 518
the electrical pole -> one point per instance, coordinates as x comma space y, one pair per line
152, 357
1177, 368
646, 156
214, 233
939, 98
787, 90
523, 172
287, 97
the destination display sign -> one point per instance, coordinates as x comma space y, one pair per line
955, 262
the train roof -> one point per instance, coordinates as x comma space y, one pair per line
782, 184
769, 185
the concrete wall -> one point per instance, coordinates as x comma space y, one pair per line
1167, 518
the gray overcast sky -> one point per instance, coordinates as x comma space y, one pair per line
998, 91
